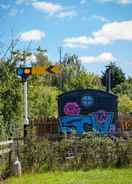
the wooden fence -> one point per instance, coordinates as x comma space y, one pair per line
6, 148
45, 128
49, 128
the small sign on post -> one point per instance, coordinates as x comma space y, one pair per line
25, 72
38, 70
53, 69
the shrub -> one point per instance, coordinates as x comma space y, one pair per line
85, 153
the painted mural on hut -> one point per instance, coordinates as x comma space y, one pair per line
87, 110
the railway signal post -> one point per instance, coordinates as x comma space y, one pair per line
24, 73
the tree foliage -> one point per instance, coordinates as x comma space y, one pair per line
74, 76
117, 75
125, 104
124, 88
42, 101
10, 98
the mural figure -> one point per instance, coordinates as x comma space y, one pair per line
71, 108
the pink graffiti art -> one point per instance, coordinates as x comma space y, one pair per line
101, 116
71, 108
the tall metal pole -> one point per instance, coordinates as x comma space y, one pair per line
26, 120
108, 80
60, 61
60, 54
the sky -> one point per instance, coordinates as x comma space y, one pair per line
98, 31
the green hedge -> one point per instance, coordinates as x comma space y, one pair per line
85, 153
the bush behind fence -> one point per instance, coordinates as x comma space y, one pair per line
85, 153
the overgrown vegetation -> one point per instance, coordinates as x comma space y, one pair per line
86, 152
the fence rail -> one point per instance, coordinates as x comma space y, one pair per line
6, 149
6, 142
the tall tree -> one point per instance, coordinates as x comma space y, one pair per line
41, 56
124, 88
117, 75
10, 97
71, 68
76, 77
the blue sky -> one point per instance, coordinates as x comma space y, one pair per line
98, 31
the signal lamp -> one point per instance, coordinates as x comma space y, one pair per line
24, 73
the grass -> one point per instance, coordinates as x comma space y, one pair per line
108, 176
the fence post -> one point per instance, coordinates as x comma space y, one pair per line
10, 156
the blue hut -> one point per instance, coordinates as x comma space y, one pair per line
87, 110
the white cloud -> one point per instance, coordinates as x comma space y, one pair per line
72, 42
122, 2
110, 32
57, 10
13, 12
83, 1
100, 18
47, 7
33, 35
31, 59
66, 14
102, 58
